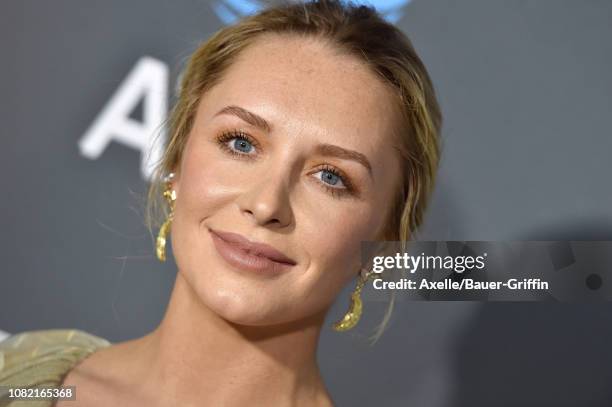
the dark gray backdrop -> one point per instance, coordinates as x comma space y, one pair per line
526, 92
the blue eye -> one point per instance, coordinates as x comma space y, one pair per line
332, 179
335, 182
241, 144
237, 143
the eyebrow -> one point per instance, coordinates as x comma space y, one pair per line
247, 116
336, 151
325, 149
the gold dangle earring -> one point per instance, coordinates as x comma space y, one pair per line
351, 318
170, 196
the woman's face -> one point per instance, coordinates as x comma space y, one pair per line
293, 149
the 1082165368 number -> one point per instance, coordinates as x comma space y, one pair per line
38, 393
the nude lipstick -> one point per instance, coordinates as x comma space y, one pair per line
243, 254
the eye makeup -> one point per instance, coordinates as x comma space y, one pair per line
227, 139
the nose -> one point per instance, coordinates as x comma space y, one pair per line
267, 201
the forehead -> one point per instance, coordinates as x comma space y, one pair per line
305, 86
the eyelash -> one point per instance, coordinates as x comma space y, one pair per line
230, 135
238, 134
338, 192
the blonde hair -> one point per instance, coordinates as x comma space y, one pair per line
356, 30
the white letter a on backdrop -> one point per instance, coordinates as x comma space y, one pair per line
148, 80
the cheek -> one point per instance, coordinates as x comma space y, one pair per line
204, 190
205, 181
334, 244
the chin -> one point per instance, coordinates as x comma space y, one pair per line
240, 307
258, 310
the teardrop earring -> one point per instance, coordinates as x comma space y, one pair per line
351, 318
170, 196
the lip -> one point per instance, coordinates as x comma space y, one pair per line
242, 253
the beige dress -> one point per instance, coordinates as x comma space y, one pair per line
42, 358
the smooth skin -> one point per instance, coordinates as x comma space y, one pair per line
231, 337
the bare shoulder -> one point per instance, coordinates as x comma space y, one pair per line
103, 379
89, 390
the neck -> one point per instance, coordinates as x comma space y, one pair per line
194, 354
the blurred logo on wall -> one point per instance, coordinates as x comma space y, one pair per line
147, 82
230, 11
